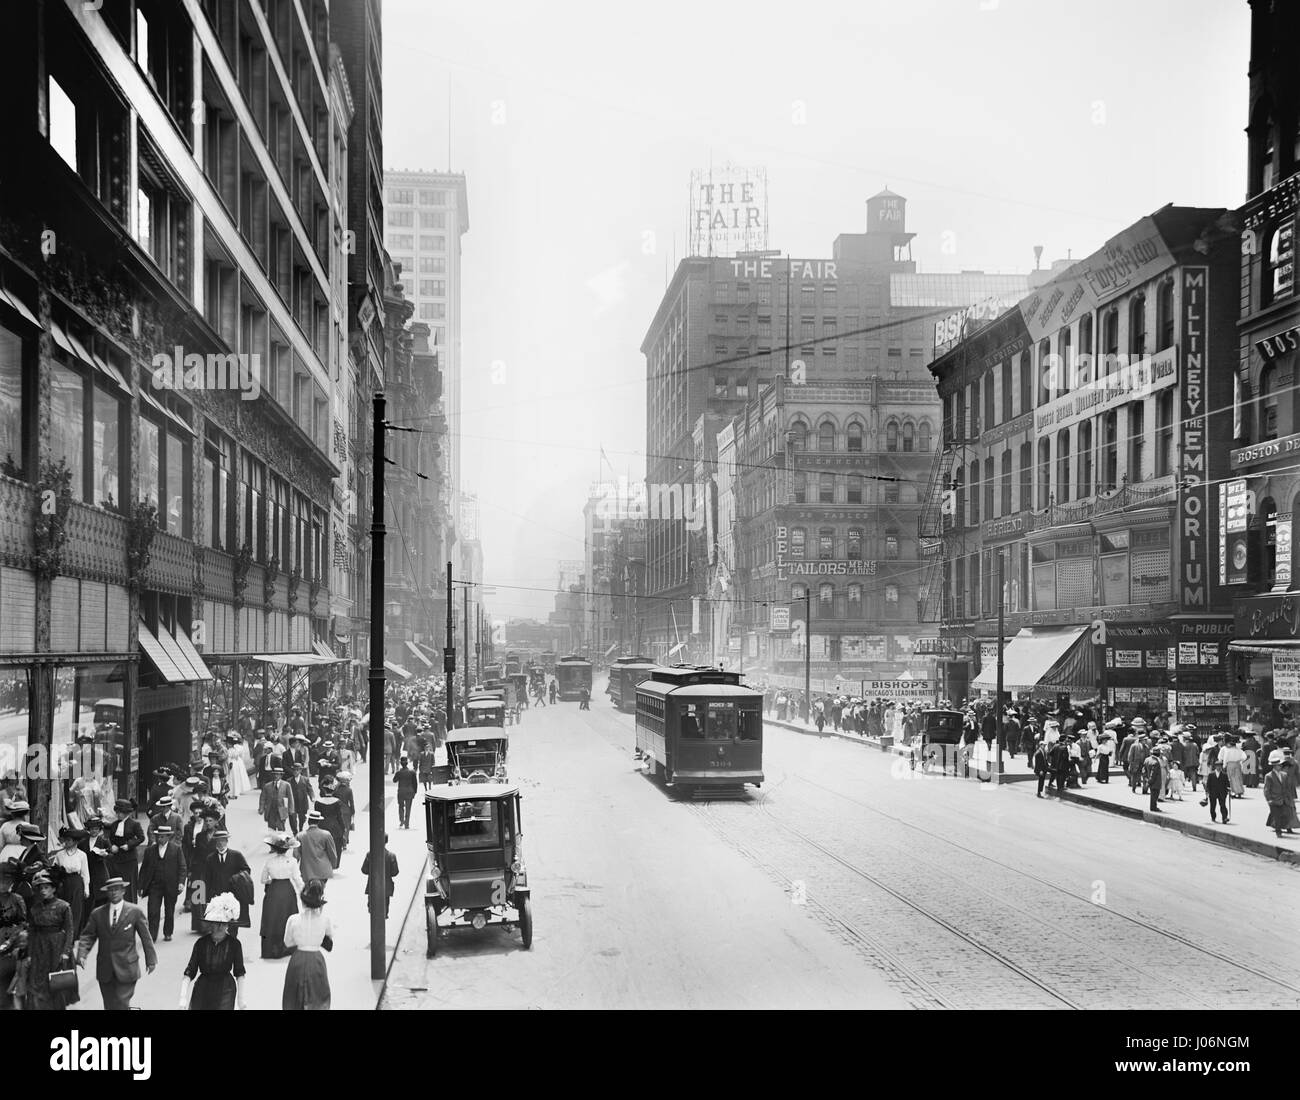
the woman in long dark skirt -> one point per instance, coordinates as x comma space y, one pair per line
283, 882
50, 937
331, 811
308, 934
214, 978
74, 875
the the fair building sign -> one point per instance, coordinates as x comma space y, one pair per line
728, 211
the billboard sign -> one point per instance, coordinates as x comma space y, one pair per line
728, 211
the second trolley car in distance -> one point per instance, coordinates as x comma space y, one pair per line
573, 675
699, 727
624, 676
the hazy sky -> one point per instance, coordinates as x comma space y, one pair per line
1005, 123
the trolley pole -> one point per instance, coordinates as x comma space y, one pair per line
1001, 709
465, 590
378, 765
807, 653
449, 655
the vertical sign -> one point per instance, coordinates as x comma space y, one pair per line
1282, 543
1234, 522
781, 544
1194, 502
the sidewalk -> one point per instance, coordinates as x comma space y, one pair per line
349, 963
1245, 832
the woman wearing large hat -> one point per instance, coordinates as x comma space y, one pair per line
50, 937
124, 836
214, 978
75, 867
283, 883
307, 981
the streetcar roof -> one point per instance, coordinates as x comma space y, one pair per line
727, 691
470, 792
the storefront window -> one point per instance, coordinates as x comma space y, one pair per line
12, 450
106, 453
67, 423
150, 461
15, 719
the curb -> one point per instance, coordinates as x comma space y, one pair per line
1190, 828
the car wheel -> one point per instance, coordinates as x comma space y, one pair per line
431, 930
526, 922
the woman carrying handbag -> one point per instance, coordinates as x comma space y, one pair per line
51, 977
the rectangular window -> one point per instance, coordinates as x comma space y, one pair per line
1136, 440
67, 423
106, 448
433, 221
63, 124
150, 461
176, 476
13, 401
401, 218
825, 545
433, 198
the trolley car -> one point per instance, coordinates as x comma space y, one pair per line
573, 675
624, 675
699, 727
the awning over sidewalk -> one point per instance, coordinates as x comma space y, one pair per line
1052, 658
1276, 645
415, 652
322, 649
397, 670
295, 660
173, 655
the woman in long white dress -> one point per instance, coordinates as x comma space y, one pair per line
238, 760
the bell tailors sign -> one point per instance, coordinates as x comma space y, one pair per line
728, 211
1126, 260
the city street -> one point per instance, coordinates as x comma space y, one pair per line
846, 882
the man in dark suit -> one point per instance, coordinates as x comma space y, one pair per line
303, 797
222, 865
390, 863
407, 786
124, 836
164, 813
161, 876
114, 926
276, 804
316, 851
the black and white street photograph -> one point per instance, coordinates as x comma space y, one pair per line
817, 539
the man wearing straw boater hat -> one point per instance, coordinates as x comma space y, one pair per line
115, 926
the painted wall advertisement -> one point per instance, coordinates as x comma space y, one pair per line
1286, 676
1234, 522
1194, 495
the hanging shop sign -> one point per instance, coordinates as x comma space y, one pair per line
1194, 493
1286, 676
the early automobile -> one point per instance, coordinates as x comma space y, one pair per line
476, 864
485, 711
939, 734
477, 754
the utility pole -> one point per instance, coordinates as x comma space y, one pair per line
1001, 644
807, 652
378, 864
789, 275
449, 654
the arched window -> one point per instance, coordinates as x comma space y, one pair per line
1046, 376
825, 488
891, 435
798, 591
923, 436
1165, 315
1108, 474
798, 436
1268, 402
798, 542
1067, 371
1044, 473
826, 595
855, 437
909, 436
826, 543
1137, 325
1063, 466
1109, 341
855, 493
1004, 482
826, 436
855, 544
855, 599
1085, 459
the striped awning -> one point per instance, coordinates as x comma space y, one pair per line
1047, 659
415, 652
173, 655
397, 670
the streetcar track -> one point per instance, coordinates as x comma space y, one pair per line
1177, 937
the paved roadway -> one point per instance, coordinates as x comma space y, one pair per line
846, 880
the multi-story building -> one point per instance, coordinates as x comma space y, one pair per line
611, 508
1262, 495
426, 214
1084, 434
356, 27
167, 358
851, 337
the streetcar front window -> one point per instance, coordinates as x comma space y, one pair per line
692, 722
751, 725
722, 725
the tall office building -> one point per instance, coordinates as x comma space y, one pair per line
425, 215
